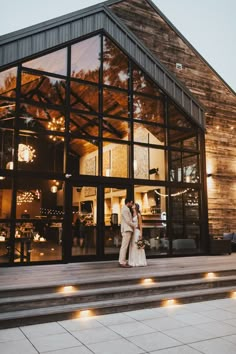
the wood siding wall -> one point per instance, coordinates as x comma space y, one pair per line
217, 98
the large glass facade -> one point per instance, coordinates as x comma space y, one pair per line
81, 128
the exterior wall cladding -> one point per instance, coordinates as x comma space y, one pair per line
218, 99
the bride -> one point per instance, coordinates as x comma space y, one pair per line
137, 257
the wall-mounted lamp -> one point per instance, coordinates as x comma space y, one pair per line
209, 175
153, 171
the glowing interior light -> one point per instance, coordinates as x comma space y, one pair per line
233, 295
26, 153
41, 254
54, 189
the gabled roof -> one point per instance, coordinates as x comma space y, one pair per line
157, 10
56, 32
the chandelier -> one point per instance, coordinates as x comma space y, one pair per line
25, 197
26, 153
57, 125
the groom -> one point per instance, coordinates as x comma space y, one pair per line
127, 228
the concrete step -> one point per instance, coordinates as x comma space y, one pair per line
78, 296
71, 311
109, 281
21, 305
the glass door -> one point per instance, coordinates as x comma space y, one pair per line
84, 221
114, 199
96, 217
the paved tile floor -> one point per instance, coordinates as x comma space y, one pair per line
204, 327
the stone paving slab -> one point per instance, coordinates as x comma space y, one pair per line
207, 327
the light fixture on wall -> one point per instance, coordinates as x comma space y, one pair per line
153, 171
209, 175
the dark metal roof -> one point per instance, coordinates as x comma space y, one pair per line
53, 33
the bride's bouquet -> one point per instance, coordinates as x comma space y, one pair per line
141, 244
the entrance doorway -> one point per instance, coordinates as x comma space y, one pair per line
84, 221
113, 200
96, 221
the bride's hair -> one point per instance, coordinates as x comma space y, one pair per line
137, 207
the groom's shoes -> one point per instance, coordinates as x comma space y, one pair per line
125, 265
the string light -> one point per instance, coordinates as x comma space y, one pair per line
173, 194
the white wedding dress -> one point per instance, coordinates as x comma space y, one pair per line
137, 257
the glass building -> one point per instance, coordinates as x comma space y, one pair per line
83, 125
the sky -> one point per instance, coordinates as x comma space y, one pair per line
209, 25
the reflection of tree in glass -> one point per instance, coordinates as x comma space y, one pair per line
148, 109
89, 75
141, 83
8, 83
43, 88
84, 97
115, 65
85, 59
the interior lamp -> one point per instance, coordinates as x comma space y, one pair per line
54, 189
9, 165
26, 153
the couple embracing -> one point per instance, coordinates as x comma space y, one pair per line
131, 231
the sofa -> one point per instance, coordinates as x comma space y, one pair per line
232, 237
184, 246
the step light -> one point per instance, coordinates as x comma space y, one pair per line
85, 313
210, 275
147, 281
170, 302
68, 289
